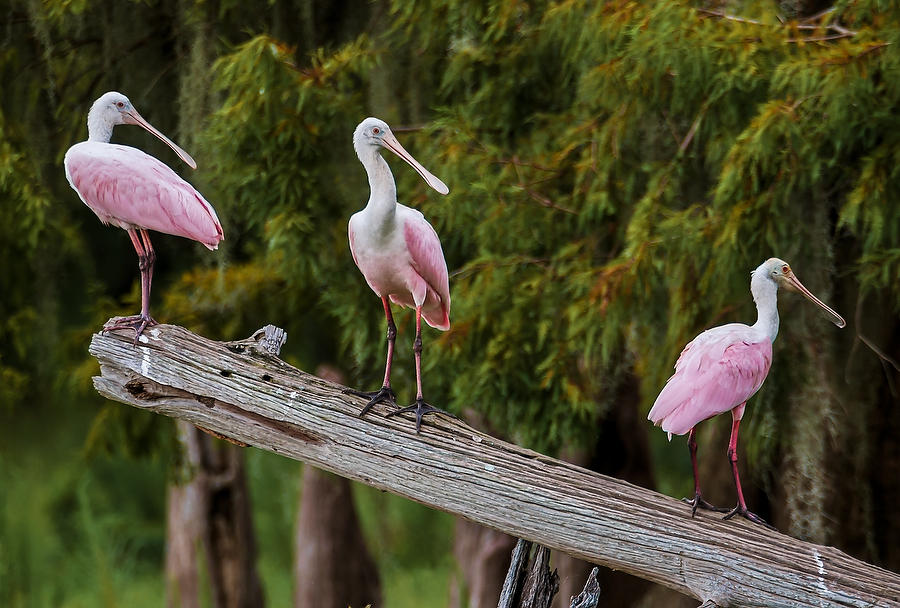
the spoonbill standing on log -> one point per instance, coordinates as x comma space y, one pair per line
400, 256
130, 189
719, 370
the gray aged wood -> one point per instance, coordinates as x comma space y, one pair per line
529, 582
515, 576
257, 399
590, 596
541, 585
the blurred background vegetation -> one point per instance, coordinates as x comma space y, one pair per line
616, 169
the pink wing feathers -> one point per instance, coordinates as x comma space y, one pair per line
428, 261
719, 370
129, 188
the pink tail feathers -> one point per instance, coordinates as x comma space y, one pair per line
441, 320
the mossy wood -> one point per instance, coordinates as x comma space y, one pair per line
238, 391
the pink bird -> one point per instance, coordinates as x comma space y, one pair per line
130, 189
722, 368
399, 254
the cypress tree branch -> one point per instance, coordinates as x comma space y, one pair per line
242, 392
804, 24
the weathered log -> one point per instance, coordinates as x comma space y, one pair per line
259, 400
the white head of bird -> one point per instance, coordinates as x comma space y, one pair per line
372, 134
764, 284
113, 109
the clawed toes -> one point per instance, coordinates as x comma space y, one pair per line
697, 502
421, 409
748, 515
138, 323
385, 394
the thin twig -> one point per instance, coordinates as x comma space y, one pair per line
883, 357
723, 15
519, 163
543, 200
693, 130
804, 24
546, 202
463, 272
793, 107
819, 38
818, 15
881, 354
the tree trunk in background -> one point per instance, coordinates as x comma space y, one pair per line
184, 528
839, 474
210, 512
876, 323
482, 558
333, 567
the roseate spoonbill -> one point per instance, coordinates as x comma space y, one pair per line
130, 189
400, 256
722, 368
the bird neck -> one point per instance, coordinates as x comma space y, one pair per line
765, 295
382, 189
98, 129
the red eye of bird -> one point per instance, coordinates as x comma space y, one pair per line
376, 130
785, 269
120, 104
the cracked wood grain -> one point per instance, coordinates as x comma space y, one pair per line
250, 396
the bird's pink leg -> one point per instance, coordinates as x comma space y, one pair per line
419, 407
385, 393
417, 349
741, 508
151, 259
146, 257
391, 338
697, 501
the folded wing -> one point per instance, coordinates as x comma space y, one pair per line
719, 370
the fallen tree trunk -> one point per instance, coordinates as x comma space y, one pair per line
237, 390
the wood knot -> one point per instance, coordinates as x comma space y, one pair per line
207, 401
138, 390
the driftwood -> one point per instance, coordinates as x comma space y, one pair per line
241, 392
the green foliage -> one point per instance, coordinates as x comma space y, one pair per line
616, 169
587, 218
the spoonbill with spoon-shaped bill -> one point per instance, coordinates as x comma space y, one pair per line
719, 370
130, 189
400, 256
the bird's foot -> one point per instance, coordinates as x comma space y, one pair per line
697, 502
136, 322
747, 514
421, 409
385, 394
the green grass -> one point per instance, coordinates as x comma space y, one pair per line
90, 532
76, 532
